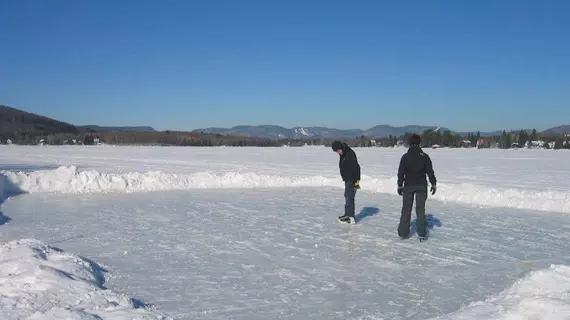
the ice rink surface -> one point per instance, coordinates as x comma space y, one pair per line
251, 233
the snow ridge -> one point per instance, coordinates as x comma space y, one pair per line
542, 294
41, 282
72, 180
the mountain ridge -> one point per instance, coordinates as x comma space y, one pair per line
563, 129
13, 120
378, 131
116, 128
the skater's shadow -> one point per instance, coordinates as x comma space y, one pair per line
366, 212
431, 223
4, 219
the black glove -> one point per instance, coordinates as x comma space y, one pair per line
433, 188
400, 190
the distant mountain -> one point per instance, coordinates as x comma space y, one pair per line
272, 131
117, 129
564, 129
386, 130
14, 120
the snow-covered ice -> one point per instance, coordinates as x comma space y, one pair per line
41, 282
542, 294
250, 233
525, 179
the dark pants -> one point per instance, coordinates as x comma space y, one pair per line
420, 192
349, 193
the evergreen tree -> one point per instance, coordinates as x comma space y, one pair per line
504, 140
508, 141
523, 138
89, 140
533, 135
447, 139
558, 143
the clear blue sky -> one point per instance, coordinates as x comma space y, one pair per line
473, 64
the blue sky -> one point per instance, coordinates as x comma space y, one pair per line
466, 65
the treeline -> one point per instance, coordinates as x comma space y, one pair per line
507, 140
521, 139
430, 138
177, 138
166, 138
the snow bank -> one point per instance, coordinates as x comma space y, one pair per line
543, 294
71, 180
40, 282
484, 195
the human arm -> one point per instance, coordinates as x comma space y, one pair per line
401, 171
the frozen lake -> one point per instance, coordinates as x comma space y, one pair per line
252, 233
276, 253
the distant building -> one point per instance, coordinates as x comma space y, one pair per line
466, 144
483, 143
534, 144
551, 144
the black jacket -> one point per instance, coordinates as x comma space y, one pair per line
348, 164
414, 166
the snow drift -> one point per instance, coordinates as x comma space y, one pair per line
41, 282
71, 180
543, 294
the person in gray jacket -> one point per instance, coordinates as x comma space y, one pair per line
414, 166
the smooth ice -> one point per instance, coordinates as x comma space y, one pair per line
280, 253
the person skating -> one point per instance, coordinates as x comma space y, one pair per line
350, 174
414, 166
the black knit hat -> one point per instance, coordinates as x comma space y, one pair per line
415, 140
336, 145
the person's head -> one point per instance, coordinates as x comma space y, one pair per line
415, 140
337, 147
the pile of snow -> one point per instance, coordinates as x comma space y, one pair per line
41, 282
484, 195
71, 180
543, 294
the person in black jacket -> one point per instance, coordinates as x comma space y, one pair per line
350, 173
414, 166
